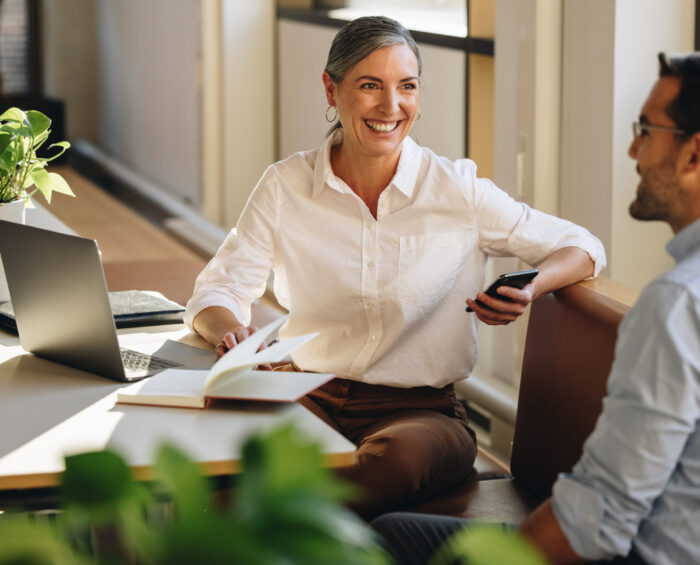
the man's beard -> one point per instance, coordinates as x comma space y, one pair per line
657, 190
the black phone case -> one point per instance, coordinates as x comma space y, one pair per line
519, 279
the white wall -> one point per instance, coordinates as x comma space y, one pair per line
609, 66
641, 31
302, 51
148, 54
588, 92
70, 63
301, 57
248, 104
527, 100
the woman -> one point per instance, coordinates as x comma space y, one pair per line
376, 243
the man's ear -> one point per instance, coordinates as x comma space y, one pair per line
329, 86
691, 155
689, 167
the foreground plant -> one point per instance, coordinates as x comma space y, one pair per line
286, 509
488, 544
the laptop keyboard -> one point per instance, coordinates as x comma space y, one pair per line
135, 361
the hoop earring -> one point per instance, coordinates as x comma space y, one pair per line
418, 115
335, 115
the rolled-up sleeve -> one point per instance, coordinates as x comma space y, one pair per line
507, 227
238, 273
647, 418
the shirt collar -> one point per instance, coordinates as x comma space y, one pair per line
323, 174
407, 170
404, 179
685, 242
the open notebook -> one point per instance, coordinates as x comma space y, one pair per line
233, 376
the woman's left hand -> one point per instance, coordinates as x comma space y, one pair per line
495, 312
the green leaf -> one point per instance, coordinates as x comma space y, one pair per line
5, 140
9, 127
40, 139
216, 542
59, 184
183, 481
7, 158
63, 145
97, 480
38, 122
25, 541
488, 545
20, 150
13, 115
43, 182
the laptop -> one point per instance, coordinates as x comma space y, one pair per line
61, 305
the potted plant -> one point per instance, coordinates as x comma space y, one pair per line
22, 171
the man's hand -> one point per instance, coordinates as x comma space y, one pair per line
544, 532
497, 312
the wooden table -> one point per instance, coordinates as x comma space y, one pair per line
49, 410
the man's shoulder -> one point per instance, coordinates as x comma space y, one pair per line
686, 274
667, 310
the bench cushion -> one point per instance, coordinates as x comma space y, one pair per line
568, 354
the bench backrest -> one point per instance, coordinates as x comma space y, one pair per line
569, 350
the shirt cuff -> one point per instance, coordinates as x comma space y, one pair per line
580, 511
196, 304
595, 251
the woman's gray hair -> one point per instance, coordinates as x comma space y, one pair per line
360, 38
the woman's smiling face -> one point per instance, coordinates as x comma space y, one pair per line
377, 101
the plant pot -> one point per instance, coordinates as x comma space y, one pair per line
11, 212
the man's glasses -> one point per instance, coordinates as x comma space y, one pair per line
642, 129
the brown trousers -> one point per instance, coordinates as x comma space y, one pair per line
412, 444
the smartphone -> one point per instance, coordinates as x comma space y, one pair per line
518, 280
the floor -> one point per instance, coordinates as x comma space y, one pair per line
123, 235
136, 253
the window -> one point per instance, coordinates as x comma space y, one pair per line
14, 47
445, 17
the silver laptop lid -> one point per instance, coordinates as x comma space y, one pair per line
59, 295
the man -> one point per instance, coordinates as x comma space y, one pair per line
636, 489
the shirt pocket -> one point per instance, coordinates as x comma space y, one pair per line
428, 267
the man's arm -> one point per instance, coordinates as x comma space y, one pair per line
640, 437
561, 268
543, 531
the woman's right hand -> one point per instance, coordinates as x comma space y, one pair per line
233, 338
214, 324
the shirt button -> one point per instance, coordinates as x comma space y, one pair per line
373, 337
368, 225
370, 264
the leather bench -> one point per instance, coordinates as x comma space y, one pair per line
569, 350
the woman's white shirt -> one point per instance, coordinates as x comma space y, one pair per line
387, 296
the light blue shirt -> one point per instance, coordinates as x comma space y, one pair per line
637, 483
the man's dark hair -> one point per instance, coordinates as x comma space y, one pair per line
685, 109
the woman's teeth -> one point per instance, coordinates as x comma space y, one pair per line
381, 127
